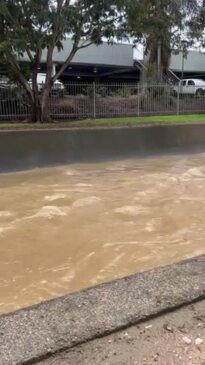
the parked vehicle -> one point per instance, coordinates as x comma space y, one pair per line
190, 87
57, 87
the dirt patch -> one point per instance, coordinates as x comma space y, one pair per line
177, 338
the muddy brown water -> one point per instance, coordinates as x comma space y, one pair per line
63, 229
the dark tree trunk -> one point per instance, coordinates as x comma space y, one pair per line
35, 110
40, 110
40, 103
45, 113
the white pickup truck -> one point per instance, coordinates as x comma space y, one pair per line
190, 87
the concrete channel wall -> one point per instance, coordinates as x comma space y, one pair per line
35, 333
21, 150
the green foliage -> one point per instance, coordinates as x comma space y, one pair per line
123, 91
10, 93
159, 23
24, 69
196, 24
30, 27
151, 73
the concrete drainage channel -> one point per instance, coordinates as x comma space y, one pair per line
36, 333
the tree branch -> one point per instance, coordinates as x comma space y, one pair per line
66, 63
29, 53
17, 73
85, 45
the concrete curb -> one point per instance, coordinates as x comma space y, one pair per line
35, 333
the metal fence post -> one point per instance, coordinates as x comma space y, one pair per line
178, 99
138, 99
94, 100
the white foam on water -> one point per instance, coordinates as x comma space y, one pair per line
61, 268
196, 172
106, 269
54, 197
81, 185
151, 225
146, 193
173, 179
68, 277
5, 213
50, 212
118, 243
90, 200
71, 172
193, 172
5, 228
132, 210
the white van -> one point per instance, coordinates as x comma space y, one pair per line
41, 79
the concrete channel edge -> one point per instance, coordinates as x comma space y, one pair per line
24, 150
35, 333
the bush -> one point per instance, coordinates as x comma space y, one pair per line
10, 93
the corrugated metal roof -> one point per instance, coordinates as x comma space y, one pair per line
119, 54
194, 62
104, 54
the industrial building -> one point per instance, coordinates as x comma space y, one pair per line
116, 63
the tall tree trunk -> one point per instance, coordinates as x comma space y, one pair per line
39, 108
35, 109
44, 102
45, 113
36, 103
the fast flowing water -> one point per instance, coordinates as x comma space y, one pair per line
67, 228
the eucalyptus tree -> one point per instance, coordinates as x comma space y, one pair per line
160, 25
32, 27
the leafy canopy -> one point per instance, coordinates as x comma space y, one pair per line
29, 26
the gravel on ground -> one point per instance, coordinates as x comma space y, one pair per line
176, 338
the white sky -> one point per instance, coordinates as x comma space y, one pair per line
138, 52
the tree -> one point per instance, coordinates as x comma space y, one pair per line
159, 24
196, 24
34, 26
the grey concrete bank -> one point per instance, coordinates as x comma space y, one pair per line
39, 331
21, 150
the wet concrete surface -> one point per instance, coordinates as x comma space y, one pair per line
177, 338
39, 331
40, 148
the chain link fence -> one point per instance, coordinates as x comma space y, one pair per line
103, 100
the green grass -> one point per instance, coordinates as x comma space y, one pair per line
110, 122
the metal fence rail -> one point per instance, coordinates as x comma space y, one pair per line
98, 100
